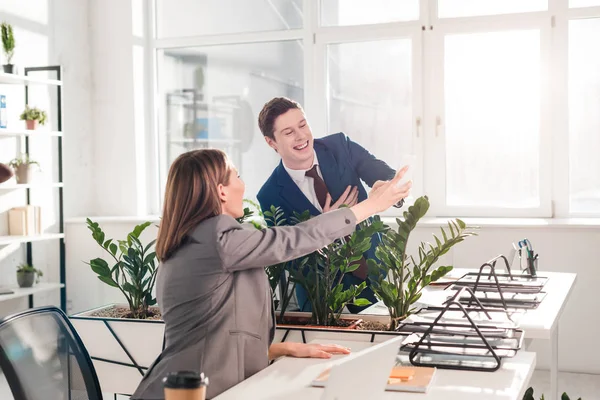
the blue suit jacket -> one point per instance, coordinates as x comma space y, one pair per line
342, 163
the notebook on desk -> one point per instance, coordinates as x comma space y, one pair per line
401, 379
347, 378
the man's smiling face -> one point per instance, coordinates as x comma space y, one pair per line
293, 139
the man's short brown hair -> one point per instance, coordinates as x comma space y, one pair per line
273, 109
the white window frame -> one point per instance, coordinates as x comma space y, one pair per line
435, 179
427, 35
562, 192
369, 33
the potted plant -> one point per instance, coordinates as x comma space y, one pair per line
399, 292
529, 395
123, 340
322, 272
409, 276
8, 45
23, 166
33, 116
26, 275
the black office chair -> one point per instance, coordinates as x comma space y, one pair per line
43, 358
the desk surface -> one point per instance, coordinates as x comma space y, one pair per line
538, 323
289, 379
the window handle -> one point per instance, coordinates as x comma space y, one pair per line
438, 124
418, 126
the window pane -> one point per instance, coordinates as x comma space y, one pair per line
492, 107
584, 118
584, 3
179, 18
370, 95
470, 8
211, 97
360, 12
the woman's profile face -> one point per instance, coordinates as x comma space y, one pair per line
232, 195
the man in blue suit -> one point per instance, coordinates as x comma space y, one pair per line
317, 175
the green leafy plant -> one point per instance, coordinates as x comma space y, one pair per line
249, 213
321, 273
34, 114
275, 273
25, 268
8, 41
22, 160
529, 395
134, 269
407, 275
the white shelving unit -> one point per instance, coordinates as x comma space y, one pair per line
24, 292
8, 240
37, 132
16, 186
26, 135
15, 79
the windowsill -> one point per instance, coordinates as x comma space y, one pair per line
480, 222
114, 220
511, 222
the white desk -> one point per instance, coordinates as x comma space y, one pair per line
289, 379
541, 323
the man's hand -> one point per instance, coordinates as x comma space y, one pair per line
348, 198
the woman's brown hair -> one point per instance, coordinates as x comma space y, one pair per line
191, 196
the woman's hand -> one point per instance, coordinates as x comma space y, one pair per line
382, 196
301, 350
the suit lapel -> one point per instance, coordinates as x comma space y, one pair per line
330, 169
292, 194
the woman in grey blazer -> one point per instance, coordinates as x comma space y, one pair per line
212, 289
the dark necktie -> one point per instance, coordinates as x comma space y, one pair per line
320, 187
321, 192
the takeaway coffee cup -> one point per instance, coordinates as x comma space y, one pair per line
185, 385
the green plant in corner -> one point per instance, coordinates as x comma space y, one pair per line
26, 268
529, 395
321, 273
134, 270
407, 275
34, 114
8, 41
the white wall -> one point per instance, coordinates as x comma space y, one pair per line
561, 249
119, 173
50, 33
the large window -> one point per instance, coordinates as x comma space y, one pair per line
584, 116
492, 119
210, 96
490, 100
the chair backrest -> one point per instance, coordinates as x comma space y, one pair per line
42, 357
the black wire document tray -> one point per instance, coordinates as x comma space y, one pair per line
527, 301
508, 283
453, 340
499, 318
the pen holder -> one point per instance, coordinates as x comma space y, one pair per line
532, 265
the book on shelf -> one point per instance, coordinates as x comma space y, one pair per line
25, 221
401, 379
3, 114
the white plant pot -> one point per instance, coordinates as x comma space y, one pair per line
307, 334
118, 345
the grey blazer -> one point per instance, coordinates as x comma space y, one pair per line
215, 297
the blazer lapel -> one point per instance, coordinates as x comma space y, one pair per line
331, 171
292, 194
